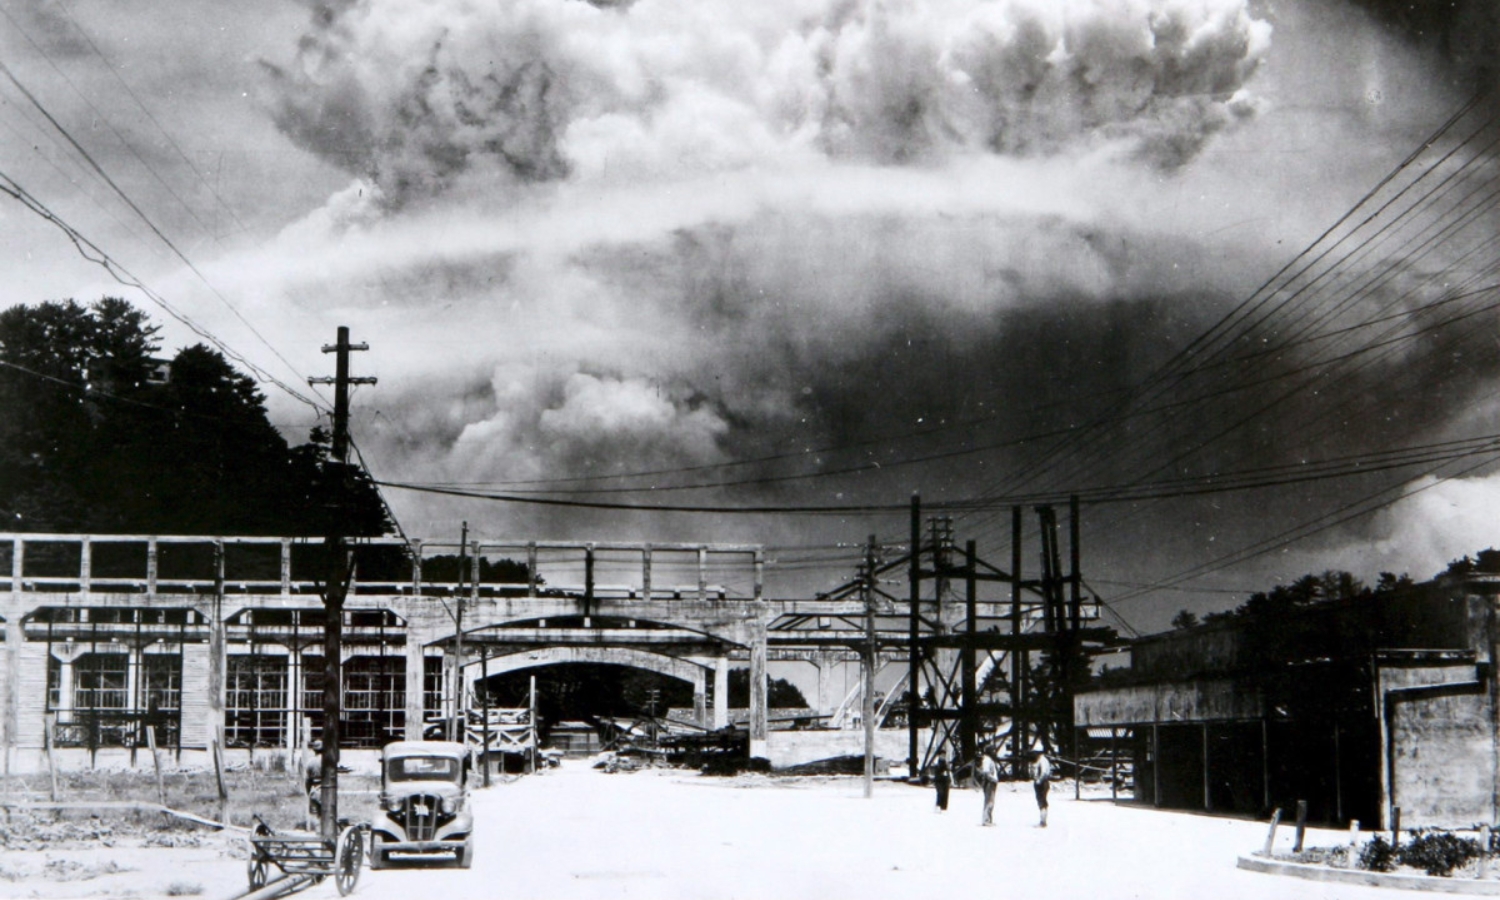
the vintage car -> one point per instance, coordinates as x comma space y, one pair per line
424, 794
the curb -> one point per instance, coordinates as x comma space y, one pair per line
1429, 883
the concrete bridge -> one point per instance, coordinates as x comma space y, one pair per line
219, 638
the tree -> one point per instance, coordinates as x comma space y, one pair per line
1388, 582
91, 442
1485, 561
444, 569
1184, 619
780, 693
68, 369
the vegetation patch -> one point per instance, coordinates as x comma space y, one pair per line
276, 797
73, 870
1436, 853
183, 889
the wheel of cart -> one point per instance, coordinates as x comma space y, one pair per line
258, 866
257, 870
347, 856
307, 855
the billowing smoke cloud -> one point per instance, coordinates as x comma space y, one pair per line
587, 239
418, 95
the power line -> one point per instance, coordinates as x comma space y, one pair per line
1344, 514
100, 116
1274, 476
5, 70
114, 72
95, 254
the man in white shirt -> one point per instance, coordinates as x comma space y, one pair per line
1041, 772
987, 774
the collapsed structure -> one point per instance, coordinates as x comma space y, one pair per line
201, 642
1358, 707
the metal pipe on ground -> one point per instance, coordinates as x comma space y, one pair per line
277, 888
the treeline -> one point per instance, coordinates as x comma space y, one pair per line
98, 436
1333, 585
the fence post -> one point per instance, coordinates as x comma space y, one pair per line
161, 788
218, 752
49, 725
1271, 833
1301, 825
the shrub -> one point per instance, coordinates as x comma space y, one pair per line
1377, 855
184, 889
1439, 852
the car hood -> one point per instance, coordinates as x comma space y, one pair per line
445, 789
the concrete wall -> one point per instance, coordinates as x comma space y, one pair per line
1443, 754
793, 748
1168, 703
1188, 654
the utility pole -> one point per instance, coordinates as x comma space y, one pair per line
867, 670
336, 588
457, 730
913, 651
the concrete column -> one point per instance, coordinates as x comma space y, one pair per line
65, 687
292, 727
85, 565
721, 692
416, 673
759, 724
133, 663
218, 663
153, 563
14, 637
66, 655
700, 698
824, 662
452, 679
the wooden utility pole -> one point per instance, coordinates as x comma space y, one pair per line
867, 709
968, 730
913, 651
458, 729
336, 588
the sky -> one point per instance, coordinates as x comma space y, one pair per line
812, 253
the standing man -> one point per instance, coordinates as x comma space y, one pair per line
1041, 773
942, 780
988, 776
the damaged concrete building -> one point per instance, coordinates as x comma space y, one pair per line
1358, 707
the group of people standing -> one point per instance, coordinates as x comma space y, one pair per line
986, 774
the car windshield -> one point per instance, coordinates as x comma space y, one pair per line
423, 768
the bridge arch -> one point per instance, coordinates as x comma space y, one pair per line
671, 666
693, 672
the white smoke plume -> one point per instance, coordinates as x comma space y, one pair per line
585, 239
421, 96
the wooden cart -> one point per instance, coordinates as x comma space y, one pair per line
303, 855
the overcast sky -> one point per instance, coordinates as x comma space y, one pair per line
876, 243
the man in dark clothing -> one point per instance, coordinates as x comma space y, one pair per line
942, 780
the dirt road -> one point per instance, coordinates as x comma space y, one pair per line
579, 833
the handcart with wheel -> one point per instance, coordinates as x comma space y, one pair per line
306, 856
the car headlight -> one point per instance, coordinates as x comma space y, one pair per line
393, 804
451, 805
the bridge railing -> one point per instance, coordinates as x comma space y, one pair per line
289, 566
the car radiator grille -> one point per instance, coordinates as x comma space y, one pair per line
422, 817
